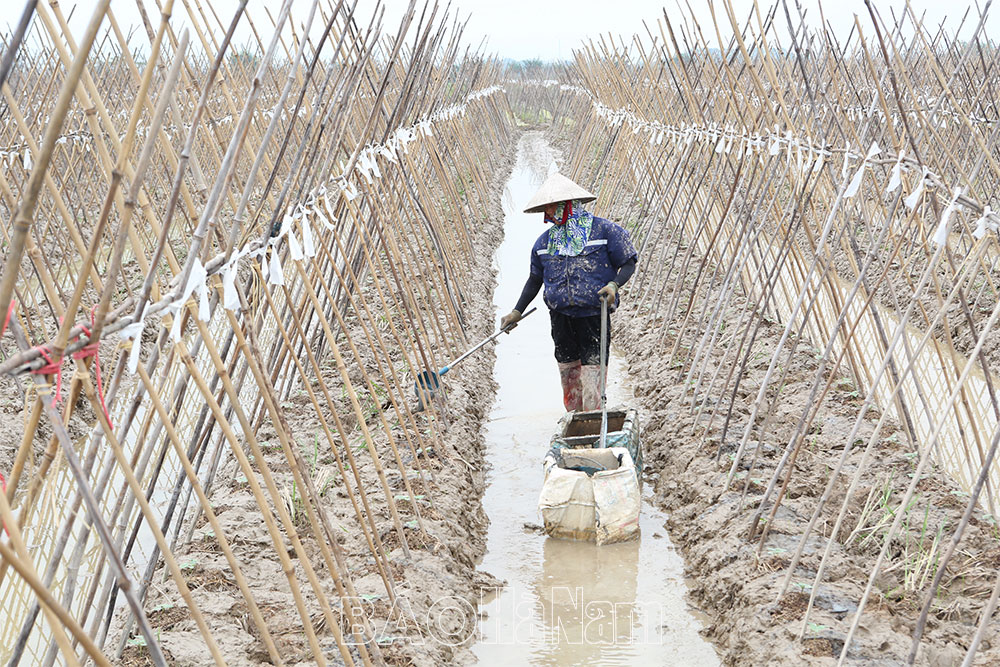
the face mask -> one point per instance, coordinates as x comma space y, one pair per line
562, 216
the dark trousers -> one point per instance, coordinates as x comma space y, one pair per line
578, 338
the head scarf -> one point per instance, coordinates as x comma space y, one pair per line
570, 230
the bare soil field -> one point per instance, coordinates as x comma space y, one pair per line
436, 588
737, 584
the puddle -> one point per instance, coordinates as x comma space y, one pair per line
565, 603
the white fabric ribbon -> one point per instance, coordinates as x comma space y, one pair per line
914, 198
403, 137
941, 235
195, 283
286, 224
174, 310
133, 332
820, 159
847, 157
859, 175
896, 177
230, 297
984, 224
307, 237
274, 274
369, 165
388, 151
200, 275
294, 247
349, 190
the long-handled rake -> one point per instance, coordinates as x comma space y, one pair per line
428, 382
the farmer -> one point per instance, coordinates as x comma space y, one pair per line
581, 259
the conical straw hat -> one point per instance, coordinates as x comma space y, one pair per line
556, 188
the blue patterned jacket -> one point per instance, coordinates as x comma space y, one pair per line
571, 283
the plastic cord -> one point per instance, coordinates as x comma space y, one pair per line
92, 349
6, 319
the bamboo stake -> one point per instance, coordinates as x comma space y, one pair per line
25, 214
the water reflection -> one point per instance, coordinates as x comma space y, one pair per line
587, 596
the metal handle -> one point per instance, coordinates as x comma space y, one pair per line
504, 330
604, 373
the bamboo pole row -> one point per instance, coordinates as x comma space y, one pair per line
839, 188
215, 233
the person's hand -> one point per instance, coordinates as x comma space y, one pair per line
608, 292
510, 320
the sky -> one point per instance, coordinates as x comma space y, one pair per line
542, 29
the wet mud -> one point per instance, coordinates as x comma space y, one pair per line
485, 584
563, 602
433, 617
737, 582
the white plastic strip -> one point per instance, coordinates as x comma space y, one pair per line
196, 281
941, 235
133, 332
307, 237
914, 198
274, 274
200, 277
294, 248
896, 177
230, 297
984, 224
859, 175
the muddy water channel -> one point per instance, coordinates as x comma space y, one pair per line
565, 603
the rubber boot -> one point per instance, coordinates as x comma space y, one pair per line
569, 374
590, 381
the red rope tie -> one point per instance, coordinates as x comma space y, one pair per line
92, 349
50, 368
3, 489
6, 320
